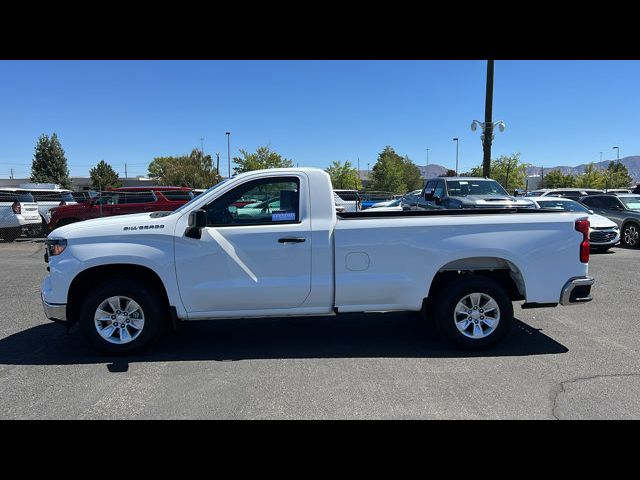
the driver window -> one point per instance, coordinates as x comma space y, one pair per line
258, 202
439, 191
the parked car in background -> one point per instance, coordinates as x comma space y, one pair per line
18, 214
348, 199
388, 206
617, 190
368, 199
122, 201
603, 233
47, 196
623, 209
410, 200
467, 192
572, 193
637, 189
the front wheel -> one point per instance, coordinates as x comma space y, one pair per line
122, 316
474, 312
630, 234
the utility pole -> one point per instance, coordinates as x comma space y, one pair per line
218, 164
428, 156
358, 181
11, 176
125, 171
542, 178
202, 146
228, 134
488, 132
456, 140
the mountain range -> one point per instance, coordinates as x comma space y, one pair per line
632, 163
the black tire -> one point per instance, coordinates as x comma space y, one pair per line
152, 308
10, 234
452, 293
630, 235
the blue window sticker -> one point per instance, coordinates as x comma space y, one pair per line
283, 216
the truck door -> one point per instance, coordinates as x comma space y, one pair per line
253, 257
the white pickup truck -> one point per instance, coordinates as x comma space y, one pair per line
124, 279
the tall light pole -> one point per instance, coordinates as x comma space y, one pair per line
428, 156
617, 149
456, 140
218, 165
202, 146
228, 134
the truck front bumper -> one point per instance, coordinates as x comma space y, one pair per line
577, 290
54, 311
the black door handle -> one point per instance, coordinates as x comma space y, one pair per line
291, 240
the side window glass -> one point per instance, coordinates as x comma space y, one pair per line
259, 202
138, 197
439, 191
610, 203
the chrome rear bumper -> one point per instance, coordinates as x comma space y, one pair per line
576, 290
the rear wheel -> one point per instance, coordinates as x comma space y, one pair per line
122, 316
474, 312
630, 234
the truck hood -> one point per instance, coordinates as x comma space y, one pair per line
492, 200
147, 222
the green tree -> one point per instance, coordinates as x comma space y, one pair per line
388, 172
103, 176
411, 175
617, 176
263, 158
508, 170
194, 170
592, 177
556, 179
343, 175
49, 163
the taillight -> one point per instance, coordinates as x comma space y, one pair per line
17, 208
583, 227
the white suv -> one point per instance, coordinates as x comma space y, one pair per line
47, 196
18, 213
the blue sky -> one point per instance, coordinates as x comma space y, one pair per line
314, 112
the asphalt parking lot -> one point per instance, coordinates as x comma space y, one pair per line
578, 362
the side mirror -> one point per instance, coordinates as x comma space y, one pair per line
197, 221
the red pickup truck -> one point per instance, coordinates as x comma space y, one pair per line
121, 201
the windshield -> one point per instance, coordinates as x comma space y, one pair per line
462, 188
67, 197
24, 197
200, 196
632, 203
565, 206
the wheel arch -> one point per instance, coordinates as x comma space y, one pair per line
505, 272
88, 278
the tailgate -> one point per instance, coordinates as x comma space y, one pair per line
29, 210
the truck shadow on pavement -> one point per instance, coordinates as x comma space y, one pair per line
395, 335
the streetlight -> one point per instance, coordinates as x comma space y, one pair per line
228, 134
486, 138
617, 149
428, 156
456, 140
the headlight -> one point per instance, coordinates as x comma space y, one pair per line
55, 246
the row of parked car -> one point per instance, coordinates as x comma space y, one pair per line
36, 209
614, 215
